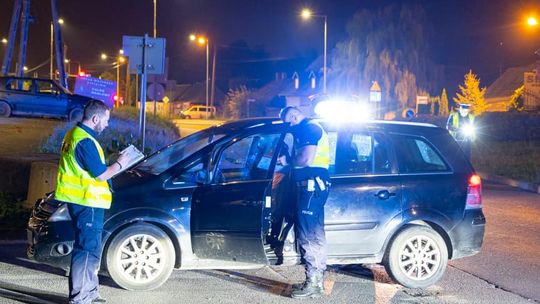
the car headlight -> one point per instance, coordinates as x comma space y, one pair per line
60, 215
469, 131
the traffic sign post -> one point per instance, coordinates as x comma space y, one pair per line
421, 100
375, 97
146, 56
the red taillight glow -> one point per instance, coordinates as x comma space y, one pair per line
474, 192
475, 180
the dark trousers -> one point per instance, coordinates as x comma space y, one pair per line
310, 229
86, 255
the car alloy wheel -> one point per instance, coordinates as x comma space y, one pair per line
416, 257
140, 257
419, 258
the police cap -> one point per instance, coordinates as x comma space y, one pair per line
464, 106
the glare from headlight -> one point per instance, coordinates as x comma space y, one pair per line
469, 131
60, 215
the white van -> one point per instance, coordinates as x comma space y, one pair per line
198, 112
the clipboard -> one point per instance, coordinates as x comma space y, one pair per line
134, 156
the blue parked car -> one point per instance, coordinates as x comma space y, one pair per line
403, 194
39, 97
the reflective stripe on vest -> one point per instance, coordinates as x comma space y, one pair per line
75, 185
322, 156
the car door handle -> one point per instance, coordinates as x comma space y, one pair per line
384, 194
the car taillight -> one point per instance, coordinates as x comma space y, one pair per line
474, 192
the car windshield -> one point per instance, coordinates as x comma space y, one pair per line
174, 153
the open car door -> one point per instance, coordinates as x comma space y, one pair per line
228, 214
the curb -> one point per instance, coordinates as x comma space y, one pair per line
532, 187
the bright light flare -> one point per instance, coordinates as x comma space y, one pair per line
60, 21
469, 131
343, 111
192, 37
532, 21
121, 59
25, 68
201, 40
103, 56
4, 41
121, 51
306, 13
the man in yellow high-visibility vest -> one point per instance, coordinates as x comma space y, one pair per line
310, 162
461, 127
83, 183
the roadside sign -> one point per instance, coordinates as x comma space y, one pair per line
407, 113
96, 88
155, 91
375, 94
155, 54
422, 99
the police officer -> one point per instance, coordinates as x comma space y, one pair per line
310, 163
461, 127
82, 183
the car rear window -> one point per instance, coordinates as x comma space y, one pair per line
362, 153
417, 155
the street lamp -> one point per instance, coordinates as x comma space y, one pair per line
307, 14
51, 72
4, 41
103, 56
532, 21
201, 40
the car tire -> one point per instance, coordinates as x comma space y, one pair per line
140, 257
417, 257
75, 114
5, 109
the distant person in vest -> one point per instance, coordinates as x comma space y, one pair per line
461, 127
83, 183
310, 162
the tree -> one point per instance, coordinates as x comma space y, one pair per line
516, 100
435, 102
472, 94
236, 103
389, 46
443, 103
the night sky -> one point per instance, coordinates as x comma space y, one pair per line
468, 33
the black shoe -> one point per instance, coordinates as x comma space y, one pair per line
311, 288
99, 300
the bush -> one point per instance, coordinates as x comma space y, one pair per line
515, 159
12, 212
123, 130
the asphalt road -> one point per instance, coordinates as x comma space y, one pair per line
506, 271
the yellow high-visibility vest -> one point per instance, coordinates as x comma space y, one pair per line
75, 185
322, 156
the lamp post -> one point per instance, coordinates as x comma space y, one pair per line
51, 66
119, 61
155, 18
201, 40
307, 14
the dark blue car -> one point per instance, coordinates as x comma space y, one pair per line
39, 97
402, 194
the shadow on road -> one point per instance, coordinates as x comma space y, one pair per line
30, 295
